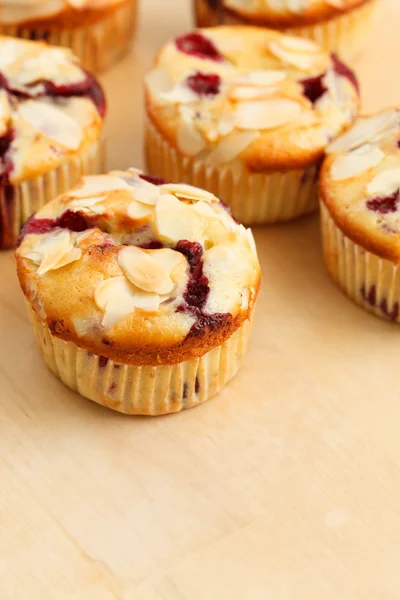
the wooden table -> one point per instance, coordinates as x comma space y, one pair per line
285, 487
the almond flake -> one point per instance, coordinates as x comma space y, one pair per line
52, 122
226, 124
189, 140
230, 147
385, 184
146, 192
174, 220
180, 94
203, 209
93, 185
188, 192
301, 53
157, 82
246, 92
144, 271
263, 77
267, 114
52, 251
366, 129
355, 163
137, 210
299, 44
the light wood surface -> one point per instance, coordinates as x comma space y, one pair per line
285, 487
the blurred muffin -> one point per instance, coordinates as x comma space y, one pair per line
360, 210
98, 31
51, 117
140, 292
246, 113
339, 25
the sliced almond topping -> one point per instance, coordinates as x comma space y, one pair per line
180, 94
230, 147
301, 53
188, 192
143, 270
366, 129
226, 124
189, 140
93, 185
299, 44
157, 82
263, 77
246, 92
203, 209
137, 210
174, 220
168, 259
54, 250
73, 255
266, 114
355, 163
146, 192
385, 184
52, 122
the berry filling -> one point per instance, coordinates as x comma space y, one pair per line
383, 206
74, 221
196, 44
88, 88
314, 88
197, 291
344, 71
154, 179
204, 84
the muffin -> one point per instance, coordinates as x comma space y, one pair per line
360, 210
98, 31
246, 113
51, 116
140, 292
339, 25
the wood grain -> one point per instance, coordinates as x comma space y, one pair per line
286, 487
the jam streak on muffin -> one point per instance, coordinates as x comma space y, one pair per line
384, 206
204, 84
74, 221
197, 292
314, 88
344, 71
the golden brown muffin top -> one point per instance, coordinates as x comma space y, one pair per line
360, 183
50, 108
25, 11
289, 13
138, 270
269, 100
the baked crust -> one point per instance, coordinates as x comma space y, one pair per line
58, 14
308, 12
50, 108
359, 181
85, 285
198, 126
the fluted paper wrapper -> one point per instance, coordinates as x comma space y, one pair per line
254, 198
98, 44
19, 202
142, 390
371, 281
345, 35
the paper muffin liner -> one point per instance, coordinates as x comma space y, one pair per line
344, 35
19, 202
141, 390
371, 281
254, 198
98, 44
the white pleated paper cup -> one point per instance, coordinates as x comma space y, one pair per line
372, 282
18, 202
254, 198
98, 45
141, 390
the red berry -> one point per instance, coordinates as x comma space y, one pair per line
196, 44
204, 84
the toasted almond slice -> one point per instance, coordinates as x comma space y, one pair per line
52, 247
137, 210
146, 192
230, 147
52, 122
225, 260
246, 92
266, 114
180, 94
168, 259
174, 220
366, 129
115, 297
226, 124
203, 209
189, 140
94, 185
299, 44
385, 184
72, 256
108, 288
143, 271
355, 163
189, 192
263, 77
